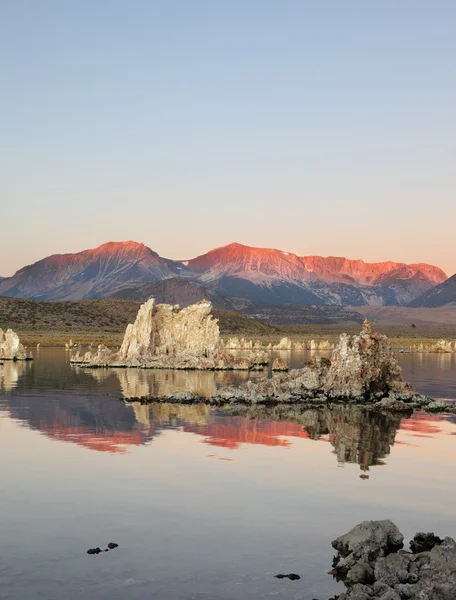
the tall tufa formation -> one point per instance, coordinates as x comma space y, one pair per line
168, 331
11, 347
168, 337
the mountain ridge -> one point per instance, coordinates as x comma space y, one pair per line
260, 275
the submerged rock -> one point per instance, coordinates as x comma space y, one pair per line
291, 576
11, 347
372, 564
167, 337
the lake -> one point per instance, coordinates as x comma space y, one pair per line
204, 505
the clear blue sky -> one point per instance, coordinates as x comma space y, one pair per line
320, 127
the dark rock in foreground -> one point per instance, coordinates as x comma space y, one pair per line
372, 564
111, 546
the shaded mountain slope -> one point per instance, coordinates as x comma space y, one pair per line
181, 291
440, 295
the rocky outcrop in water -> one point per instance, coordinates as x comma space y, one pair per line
372, 564
167, 337
363, 366
363, 369
11, 347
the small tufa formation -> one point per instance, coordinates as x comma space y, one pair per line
11, 347
372, 564
284, 344
167, 337
363, 366
279, 365
235, 343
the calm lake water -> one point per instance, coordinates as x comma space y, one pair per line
203, 505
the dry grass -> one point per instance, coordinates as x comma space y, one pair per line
93, 322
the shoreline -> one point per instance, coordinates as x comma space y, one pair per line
399, 338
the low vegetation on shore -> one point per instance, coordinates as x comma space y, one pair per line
93, 322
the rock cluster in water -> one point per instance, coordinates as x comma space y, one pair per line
11, 347
440, 347
98, 550
372, 564
363, 369
285, 343
168, 337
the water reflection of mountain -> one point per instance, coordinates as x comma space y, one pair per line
105, 424
72, 405
97, 423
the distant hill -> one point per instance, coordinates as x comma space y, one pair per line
183, 292
406, 316
263, 276
440, 295
299, 314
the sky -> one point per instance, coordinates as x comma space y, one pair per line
321, 128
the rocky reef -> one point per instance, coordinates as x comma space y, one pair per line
168, 337
11, 347
372, 564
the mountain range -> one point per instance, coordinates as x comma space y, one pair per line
232, 275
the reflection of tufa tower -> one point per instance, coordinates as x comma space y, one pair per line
356, 434
10, 372
142, 414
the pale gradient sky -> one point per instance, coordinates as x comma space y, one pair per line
315, 127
